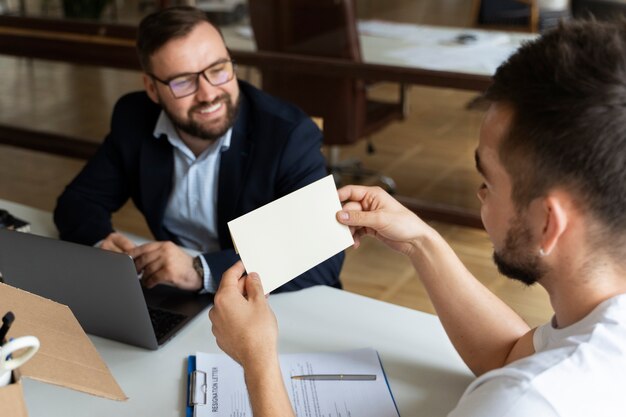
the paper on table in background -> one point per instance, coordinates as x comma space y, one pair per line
386, 29
437, 48
291, 235
470, 59
429, 35
227, 395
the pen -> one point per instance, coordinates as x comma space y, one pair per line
336, 377
7, 320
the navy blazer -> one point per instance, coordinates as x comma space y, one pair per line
275, 149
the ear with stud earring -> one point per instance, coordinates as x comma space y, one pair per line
542, 252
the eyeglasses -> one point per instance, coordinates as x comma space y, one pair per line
186, 84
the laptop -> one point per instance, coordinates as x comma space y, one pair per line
101, 288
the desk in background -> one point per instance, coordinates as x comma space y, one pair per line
418, 49
426, 375
391, 52
388, 50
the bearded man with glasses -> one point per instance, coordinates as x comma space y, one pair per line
197, 149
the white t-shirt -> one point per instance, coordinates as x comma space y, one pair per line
577, 371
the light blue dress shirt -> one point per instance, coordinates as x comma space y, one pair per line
191, 211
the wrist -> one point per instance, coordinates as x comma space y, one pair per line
261, 364
198, 267
423, 243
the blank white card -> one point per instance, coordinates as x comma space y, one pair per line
291, 235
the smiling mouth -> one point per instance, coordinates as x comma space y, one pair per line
212, 109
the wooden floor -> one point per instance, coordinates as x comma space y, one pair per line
430, 156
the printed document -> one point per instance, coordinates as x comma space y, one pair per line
225, 391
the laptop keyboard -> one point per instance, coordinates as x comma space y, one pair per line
164, 321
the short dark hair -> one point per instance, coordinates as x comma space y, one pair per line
158, 28
567, 91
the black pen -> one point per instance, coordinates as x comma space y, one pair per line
7, 320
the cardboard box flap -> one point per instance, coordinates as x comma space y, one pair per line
66, 356
12, 401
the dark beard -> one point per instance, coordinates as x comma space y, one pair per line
517, 260
194, 129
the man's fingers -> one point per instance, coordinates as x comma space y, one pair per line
352, 193
152, 268
143, 261
110, 246
352, 205
150, 282
241, 286
231, 275
359, 218
122, 242
138, 251
254, 287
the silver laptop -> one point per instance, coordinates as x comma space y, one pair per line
100, 287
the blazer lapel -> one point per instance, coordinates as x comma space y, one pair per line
156, 171
233, 168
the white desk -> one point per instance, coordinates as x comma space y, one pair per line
417, 46
426, 375
40, 221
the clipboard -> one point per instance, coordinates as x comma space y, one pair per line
198, 386
191, 384
387, 382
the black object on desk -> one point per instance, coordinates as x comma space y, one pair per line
8, 221
7, 321
466, 38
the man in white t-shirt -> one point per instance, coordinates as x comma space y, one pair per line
552, 155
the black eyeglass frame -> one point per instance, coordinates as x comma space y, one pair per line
197, 79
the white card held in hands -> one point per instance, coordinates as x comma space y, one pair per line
291, 235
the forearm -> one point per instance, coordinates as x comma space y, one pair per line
245, 328
81, 222
268, 395
83, 211
482, 328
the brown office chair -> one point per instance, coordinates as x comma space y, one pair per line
323, 28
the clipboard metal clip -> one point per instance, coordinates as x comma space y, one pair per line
198, 388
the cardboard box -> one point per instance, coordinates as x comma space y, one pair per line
66, 356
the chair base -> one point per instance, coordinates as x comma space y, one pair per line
351, 171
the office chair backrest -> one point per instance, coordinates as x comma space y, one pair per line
322, 28
507, 14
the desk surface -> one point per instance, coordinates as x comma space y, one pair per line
417, 46
40, 221
396, 52
425, 373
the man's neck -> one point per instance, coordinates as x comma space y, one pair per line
575, 293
